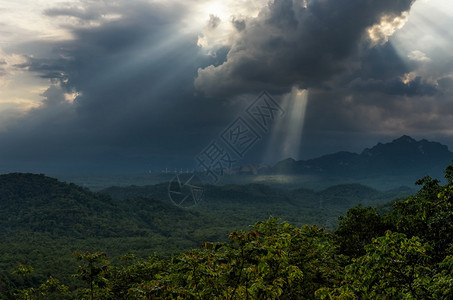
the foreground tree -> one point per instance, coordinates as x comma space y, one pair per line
357, 229
94, 271
50, 289
272, 260
428, 215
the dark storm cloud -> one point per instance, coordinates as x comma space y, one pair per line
46, 68
358, 91
351, 119
137, 106
395, 86
446, 84
381, 62
292, 44
33, 136
134, 79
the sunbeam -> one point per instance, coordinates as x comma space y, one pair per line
286, 137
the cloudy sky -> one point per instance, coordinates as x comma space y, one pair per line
94, 86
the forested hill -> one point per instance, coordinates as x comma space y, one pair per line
405, 252
243, 204
36, 203
43, 220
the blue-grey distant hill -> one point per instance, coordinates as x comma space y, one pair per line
402, 156
384, 166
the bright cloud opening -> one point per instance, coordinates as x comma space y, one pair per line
379, 33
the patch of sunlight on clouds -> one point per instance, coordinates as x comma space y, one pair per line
20, 90
379, 33
17, 104
224, 33
24, 95
225, 10
70, 97
23, 20
408, 77
13, 108
419, 56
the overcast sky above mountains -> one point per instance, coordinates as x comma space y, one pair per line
133, 85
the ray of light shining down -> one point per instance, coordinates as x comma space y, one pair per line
147, 53
287, 132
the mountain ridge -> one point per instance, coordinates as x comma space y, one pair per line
403, 155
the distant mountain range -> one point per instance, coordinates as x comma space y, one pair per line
402, 156
385, 166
